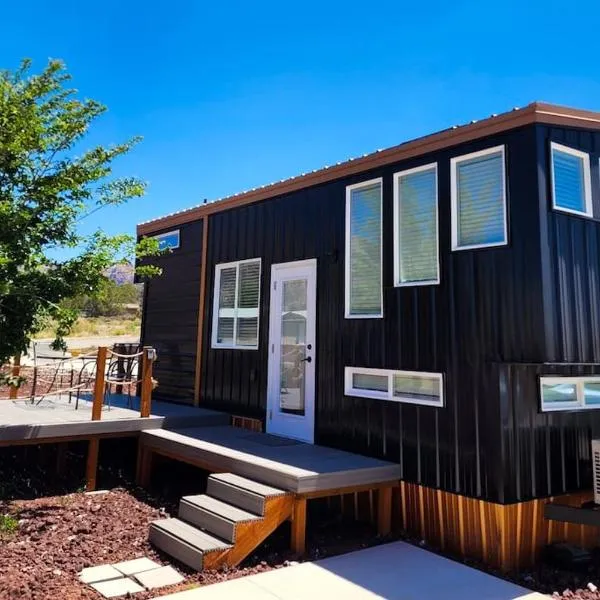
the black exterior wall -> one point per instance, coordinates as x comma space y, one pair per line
492, 325
549, 453
170, 315
486, 309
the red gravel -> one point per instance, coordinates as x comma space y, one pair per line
59, 536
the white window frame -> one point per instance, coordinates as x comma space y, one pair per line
397, 266
454, 162
236, 311
350, 390
579, 383
162, 236
587, 180
349, 190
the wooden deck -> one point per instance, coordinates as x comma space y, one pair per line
304, 469
55, 419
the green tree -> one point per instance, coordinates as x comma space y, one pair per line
45, 190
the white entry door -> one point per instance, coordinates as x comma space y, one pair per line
292, 350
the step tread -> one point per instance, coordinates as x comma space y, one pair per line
221, 509
191, 535
248, 484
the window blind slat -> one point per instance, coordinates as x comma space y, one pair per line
365, 251
417, 251
480, 200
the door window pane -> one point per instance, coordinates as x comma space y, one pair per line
293, 346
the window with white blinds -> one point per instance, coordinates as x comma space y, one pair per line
416, 227
363, 250
479, 200
236, 305
571, 180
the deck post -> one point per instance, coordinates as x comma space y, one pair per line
146, 394
299, 526
61, 458
384, 511
143, 466
16, 369
99, 384
91, 469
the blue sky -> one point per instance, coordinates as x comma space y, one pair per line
229, 96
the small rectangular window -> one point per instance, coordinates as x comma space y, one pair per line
478, 190
569, 393
571, 180
236, 305
413, 387
364, 294
169, 240
416, 227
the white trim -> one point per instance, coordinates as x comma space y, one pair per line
397, 176
349, 389
236, 313
587, 179
579, 383
349, 190
454, 162
166, 234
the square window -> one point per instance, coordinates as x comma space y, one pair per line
571, 180
236, 305
478, 189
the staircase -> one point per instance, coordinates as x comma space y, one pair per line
223, 526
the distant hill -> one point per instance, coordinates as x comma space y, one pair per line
121, 273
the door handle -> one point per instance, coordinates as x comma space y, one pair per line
306, 359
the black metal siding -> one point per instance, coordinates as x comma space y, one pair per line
549, 453
486, 310
170, 321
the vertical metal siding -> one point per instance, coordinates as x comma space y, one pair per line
486, 308
548, 453
170, 315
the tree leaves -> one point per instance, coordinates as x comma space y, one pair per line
45, 190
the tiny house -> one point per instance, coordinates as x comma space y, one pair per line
435, 304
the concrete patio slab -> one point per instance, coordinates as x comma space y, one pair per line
230, 590
101, 573
117, 587
157, 578
137, 565
396, 571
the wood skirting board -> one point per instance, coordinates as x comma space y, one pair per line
505, 536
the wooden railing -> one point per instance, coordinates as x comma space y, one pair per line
148, 356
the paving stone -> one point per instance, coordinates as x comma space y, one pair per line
117, 587
157, 578
137, 565
101, 573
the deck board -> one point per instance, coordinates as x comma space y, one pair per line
21, 421
294, 466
